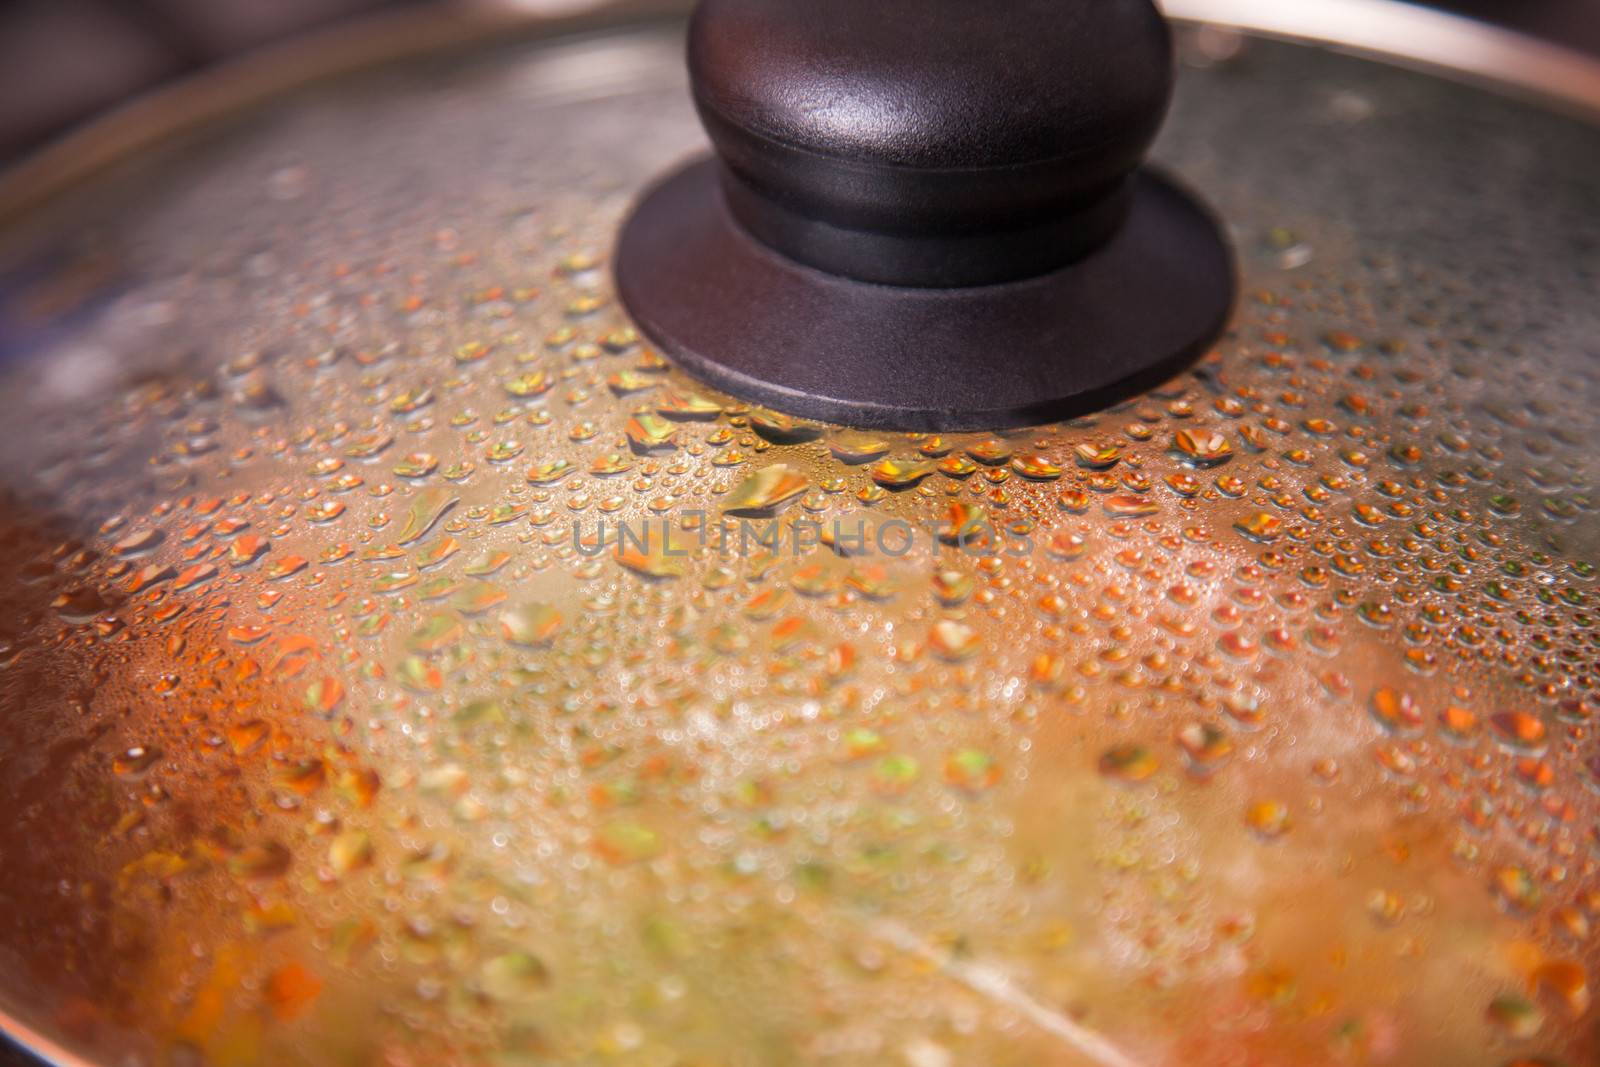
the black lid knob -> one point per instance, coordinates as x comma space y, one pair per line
930, 142
927, 214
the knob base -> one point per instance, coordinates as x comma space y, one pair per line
772, 331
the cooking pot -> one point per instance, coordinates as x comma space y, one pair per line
487, 582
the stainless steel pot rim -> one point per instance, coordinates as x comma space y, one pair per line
1416, 36
1383, 29
38, 1044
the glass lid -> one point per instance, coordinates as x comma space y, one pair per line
401, 662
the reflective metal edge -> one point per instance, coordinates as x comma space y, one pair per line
197, 100
1412, 36
1387, 29
38, 1045
1451, 44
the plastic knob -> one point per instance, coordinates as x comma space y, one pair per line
927, 214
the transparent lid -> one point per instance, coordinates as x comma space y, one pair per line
400, 663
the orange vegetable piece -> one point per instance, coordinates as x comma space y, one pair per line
290, 991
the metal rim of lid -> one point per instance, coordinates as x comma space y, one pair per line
1387, 30
1453, 46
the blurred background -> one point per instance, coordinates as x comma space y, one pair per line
63, 61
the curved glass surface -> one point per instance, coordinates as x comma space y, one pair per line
400, 663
